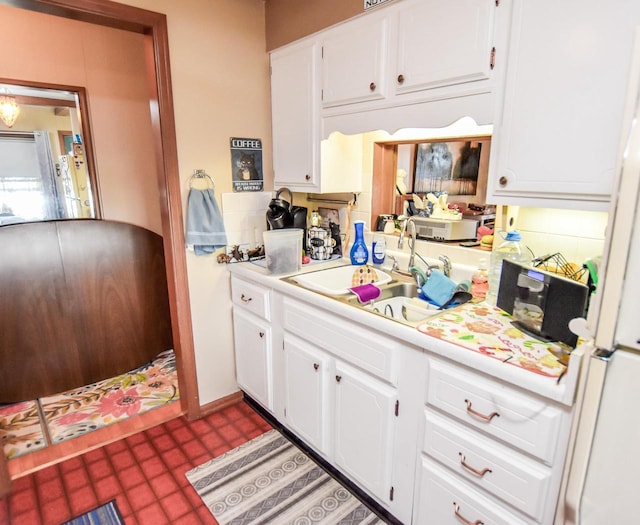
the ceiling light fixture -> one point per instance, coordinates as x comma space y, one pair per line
9, 110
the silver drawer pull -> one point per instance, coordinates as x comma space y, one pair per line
456, 511
245, 299
479, 473
478, 414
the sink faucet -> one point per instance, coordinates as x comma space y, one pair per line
446, 265
410, 226
403, 229
418, 275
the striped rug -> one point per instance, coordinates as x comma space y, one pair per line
270, 480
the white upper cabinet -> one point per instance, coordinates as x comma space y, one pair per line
422, 47
556, 137
353, 62
301, 161
443, 42
294, 112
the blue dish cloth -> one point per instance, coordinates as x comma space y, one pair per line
438, 288
205, 227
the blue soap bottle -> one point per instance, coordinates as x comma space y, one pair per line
359, 252
378, 249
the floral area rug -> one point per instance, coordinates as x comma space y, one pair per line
32, 425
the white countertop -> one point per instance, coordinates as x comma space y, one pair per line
561, 391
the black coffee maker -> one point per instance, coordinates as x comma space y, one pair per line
282, 215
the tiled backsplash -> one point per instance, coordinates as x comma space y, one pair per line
244, 216
577, 235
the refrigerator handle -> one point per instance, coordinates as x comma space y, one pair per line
579, 462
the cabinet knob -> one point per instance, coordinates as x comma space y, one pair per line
477, 414
307, 177
316, 366
245, 299
261, 334
503, 181
372, 86
456, 511
338, 378
400, 79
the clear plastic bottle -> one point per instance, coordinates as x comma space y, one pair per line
480, 281
359, 252
512, 249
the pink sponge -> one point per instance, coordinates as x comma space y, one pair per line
366, 292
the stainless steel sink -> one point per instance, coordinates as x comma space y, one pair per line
397, 301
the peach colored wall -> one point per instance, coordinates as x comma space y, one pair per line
288, 20
109, 63
221, 89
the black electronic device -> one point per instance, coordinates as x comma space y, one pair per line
541, 303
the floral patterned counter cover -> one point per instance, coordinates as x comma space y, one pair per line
488, 330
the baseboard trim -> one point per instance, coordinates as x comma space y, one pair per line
217, 405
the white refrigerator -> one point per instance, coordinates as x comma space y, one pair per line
602, 482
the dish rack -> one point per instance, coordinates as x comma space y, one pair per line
556, 263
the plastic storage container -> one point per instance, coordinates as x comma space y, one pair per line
283, 250
359, 252
512, 249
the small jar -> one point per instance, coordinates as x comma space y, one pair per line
480, 281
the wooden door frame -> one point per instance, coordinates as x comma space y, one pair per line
154, 26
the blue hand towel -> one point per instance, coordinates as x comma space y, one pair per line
205, 227
438, 288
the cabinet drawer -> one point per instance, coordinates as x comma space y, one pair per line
251, 297
445, 499
518, 480
521, 421
351, 342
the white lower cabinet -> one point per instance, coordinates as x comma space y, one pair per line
342, 412
505, 473
306, 372
252, 339
446, 500
490, 453
364, 429
431, 440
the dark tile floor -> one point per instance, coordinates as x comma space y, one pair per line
145, 473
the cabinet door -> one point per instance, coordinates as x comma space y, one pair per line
364, 429
306, 374
563, 103
295, 101
252, 339
443, 42
353, 62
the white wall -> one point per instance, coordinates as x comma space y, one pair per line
220, 79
